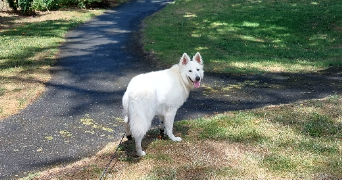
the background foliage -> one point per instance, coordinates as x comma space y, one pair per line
29, 6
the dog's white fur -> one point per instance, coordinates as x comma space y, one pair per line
159, 93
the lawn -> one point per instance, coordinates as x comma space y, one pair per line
28, 48
300, 140
249, 36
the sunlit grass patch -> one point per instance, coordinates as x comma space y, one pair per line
249, 36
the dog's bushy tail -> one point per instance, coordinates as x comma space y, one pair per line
125, 104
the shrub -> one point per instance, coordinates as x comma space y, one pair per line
43, 5
26, 6
87, 3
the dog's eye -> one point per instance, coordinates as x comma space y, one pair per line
190, 71
197, 69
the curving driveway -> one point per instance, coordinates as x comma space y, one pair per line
81, 110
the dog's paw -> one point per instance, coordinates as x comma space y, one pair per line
177, 139
141, 153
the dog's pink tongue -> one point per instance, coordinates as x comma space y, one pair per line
197, 84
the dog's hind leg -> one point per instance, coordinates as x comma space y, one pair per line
138, 147
138, 131
138, 135
168, 123
139, 125
128, 131
125, 104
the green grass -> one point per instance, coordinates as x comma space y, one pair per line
299, 140
28, 47
275, 142
20, 45
249, 36
2, 91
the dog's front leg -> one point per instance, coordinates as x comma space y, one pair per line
162, 127
168, 123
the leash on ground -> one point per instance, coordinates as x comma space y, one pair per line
104, 172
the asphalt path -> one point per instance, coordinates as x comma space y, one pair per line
80, 112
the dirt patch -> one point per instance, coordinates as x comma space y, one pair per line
20, 88
11, 19
194, 160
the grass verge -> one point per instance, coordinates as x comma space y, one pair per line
28, 47
249, 36
302, 140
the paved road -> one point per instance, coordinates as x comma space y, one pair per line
81, 110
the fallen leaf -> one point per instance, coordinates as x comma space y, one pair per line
107, 129
49, 138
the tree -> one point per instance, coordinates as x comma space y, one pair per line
26, 6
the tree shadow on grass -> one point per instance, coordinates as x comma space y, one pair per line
285, 35
30, 40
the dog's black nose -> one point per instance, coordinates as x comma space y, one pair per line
198, 78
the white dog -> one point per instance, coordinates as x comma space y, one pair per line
159, 93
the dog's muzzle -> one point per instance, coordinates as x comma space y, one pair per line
197, 81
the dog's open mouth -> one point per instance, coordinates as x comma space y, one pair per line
197, 83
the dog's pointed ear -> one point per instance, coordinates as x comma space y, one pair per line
184, 59
198, 58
